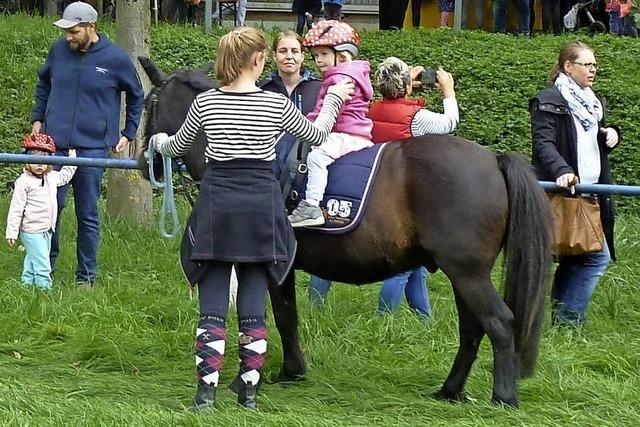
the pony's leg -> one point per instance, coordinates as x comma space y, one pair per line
471, 333
283, 302
484, 303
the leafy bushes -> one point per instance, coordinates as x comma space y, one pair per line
495, 76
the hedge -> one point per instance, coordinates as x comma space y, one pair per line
495, 76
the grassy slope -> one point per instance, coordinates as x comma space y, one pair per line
122, 354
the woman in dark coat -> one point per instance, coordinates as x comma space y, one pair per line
291, 78
298, 84
571, 142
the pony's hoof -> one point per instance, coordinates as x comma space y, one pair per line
287, 377
510, 403
460, 397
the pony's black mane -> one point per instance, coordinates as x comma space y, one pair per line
197, 80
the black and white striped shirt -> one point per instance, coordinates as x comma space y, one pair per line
427, 122
245, 125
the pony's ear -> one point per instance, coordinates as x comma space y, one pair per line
206, 68
156, 76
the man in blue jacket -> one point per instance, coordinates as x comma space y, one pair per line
78, 103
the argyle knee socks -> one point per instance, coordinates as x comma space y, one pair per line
210, 342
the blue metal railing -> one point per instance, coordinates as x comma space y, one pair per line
625, 190
73, 161
168, 203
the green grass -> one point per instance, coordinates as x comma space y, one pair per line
122, 353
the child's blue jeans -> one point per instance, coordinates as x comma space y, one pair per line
616, 24
37, 268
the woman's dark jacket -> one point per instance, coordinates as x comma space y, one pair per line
304, 96
554, 149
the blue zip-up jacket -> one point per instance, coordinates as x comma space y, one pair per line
78, 95
304, 96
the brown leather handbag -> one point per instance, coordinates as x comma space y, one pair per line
577, 225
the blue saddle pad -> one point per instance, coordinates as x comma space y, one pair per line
350, 181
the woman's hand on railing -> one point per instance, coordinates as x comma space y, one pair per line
568, 181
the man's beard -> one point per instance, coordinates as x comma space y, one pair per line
80, 45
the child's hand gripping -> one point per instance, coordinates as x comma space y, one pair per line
11, 242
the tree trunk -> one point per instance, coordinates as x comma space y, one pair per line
128, 193
100, 7
52, 7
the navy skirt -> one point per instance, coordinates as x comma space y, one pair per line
240, 217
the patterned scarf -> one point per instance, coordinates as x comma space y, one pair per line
583, 103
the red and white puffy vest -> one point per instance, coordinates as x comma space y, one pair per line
392, 118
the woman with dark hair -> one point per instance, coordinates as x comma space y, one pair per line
571, 144
302, 87
291, 78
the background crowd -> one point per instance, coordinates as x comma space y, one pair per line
619, 17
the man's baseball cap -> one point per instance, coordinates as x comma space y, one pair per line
76, 13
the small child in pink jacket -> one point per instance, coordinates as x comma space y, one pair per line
34, 209
612, 7
334, 45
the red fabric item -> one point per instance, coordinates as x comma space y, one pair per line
392, 118
625, 8
39, 141
331, 33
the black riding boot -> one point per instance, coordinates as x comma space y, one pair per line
252, 346
248, 395
205, 399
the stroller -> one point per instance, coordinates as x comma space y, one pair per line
571, 18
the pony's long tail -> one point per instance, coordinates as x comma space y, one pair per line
527, 257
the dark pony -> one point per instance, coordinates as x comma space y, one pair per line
438, 201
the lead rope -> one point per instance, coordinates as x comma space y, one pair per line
168, 200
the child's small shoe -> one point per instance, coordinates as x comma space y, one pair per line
306, 215
43, 285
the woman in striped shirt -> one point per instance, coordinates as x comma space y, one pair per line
239, 216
